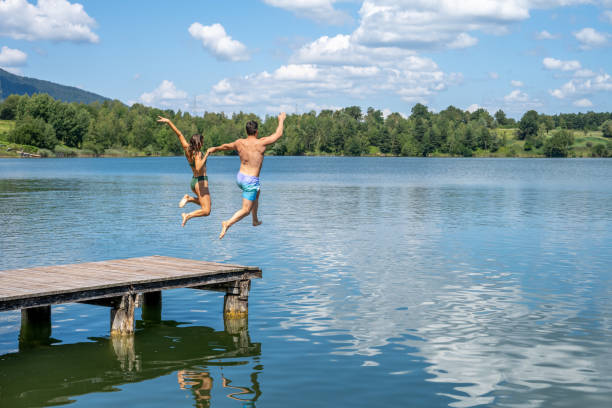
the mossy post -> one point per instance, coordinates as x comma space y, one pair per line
122, 315
236, 301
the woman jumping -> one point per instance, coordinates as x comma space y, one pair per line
199, 181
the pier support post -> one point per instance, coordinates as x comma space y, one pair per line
35, 326
236, 301
122, 316
152, 306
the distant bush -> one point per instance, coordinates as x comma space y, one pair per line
116, 152
45, 153
33, 131
606, 128
95, 148
559, 144
87, 152
600, 150
64, 151
8, 107
151, 151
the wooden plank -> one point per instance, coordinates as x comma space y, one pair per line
136, 266
46, 285
53, 279
172, 267
169, 269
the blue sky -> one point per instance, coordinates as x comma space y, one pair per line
265, 56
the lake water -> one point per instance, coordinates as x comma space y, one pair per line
386, 282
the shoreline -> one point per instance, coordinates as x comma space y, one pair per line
322, 155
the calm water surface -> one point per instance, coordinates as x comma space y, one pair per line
387, 282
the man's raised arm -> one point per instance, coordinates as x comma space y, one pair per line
279, 131
226, 146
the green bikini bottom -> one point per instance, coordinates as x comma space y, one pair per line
195, 180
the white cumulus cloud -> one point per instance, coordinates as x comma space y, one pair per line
55, 20
607, 16
601, 82
10, 57
583, 103
552, 63
331, 69
217, 42
518, 101
412, 79
322, 11
516, 83
293, 72
343, 50
463, 40
440, 24
584, 73
434, 23
590, 38
516, 96
166, 94
473, 108
545, 35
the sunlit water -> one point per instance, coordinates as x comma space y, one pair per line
386, 282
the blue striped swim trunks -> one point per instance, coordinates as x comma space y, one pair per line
249, 185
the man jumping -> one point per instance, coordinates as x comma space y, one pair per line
251, 151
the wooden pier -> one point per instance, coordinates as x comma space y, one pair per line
122, 285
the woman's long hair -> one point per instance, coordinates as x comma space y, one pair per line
195, 144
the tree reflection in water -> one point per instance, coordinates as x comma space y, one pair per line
53, 375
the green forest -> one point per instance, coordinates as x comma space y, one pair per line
47, 127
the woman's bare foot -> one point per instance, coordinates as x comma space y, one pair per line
184, 201
184, 215
256, 222
224, 228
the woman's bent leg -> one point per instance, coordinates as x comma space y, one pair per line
204, 211
188, 199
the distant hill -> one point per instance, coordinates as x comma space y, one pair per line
15, 84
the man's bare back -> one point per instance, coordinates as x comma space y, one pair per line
251, 151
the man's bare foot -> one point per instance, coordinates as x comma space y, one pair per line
184, 201
256, 223
224, 228
184, 215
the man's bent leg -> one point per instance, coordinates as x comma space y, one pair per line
256, 221
247, 205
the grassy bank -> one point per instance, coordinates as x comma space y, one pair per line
12, 150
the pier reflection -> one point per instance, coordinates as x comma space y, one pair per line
46, 375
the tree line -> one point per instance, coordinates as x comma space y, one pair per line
98, 127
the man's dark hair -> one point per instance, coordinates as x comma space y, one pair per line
251, 127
